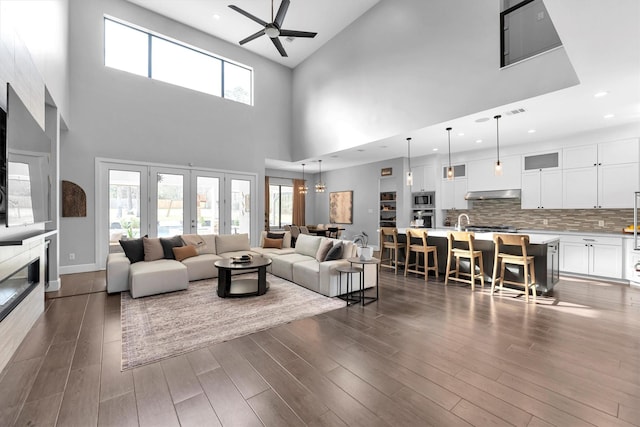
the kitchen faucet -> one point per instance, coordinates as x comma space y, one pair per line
459, 225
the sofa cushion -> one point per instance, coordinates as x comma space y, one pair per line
155, 277
323, 249
168, 243
201, 266
152, 249
184, 252
335, 252
272, 243
133, 249
307, 245
232, 243
209, 244
282, 266
307, 274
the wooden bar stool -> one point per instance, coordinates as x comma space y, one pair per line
466, 238
420, 248
389, 242
522, 259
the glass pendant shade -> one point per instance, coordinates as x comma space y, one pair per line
320, 187
450, 174
409, 179
498, 167
302, 189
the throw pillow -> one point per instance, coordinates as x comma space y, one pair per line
152, 249
168, 243
272, 243
133, 249
307, 245
323, 249
194, 240
184, 252
271, 235
334, 253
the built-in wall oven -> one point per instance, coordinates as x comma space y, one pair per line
423, 209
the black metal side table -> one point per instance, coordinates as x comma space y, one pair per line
349, 270
363, 262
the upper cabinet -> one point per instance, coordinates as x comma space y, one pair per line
424, 178
541, 181
453, 190
602, 175
481, 177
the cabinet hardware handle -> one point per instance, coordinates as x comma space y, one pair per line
594, 164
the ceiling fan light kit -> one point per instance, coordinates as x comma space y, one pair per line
273, 29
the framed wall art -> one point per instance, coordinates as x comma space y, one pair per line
341, 207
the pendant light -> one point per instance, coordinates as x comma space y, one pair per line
303, 188
450, 174
498, 168
320, 187
409, 173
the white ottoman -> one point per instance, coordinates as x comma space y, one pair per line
156, 277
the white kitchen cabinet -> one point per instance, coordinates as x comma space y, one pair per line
453, 193
481, 176
542, 189
424, 178
594, 256
601, 175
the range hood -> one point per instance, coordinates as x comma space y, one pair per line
494, 194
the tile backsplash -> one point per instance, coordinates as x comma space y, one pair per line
508, 212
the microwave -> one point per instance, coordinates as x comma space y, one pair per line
424, 200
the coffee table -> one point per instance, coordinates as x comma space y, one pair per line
240, 287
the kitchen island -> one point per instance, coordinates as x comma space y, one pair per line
544, 247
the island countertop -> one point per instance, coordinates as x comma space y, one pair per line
534, 238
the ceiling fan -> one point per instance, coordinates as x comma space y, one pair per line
273, 29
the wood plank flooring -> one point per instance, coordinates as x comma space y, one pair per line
424, 354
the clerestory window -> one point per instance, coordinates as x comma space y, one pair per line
135, 50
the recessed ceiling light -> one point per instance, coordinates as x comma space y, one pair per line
360, 150
216, 16
435, 149
531, 131
601, 94
609, 116
461, 134
478, 141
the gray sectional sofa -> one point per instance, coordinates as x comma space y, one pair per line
304, 265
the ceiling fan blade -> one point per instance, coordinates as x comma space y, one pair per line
248, 15
278, 45
252, 37
293, 33
282, 11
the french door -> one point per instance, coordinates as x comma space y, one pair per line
162, 201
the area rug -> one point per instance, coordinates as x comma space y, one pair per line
162, 326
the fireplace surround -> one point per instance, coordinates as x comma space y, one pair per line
16, 286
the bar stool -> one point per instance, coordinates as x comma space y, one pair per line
467, 252
420, 248
389, 242
526, 261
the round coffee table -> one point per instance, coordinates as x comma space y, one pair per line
240, 287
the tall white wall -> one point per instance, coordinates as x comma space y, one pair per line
123, 116
408, 64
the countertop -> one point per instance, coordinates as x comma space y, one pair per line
534, 238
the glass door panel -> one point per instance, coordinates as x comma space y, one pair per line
206, 202
242, 203
170, 211
124, 205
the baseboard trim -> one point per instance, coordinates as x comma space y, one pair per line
52, 286
79, 268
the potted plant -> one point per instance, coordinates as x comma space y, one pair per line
364, 251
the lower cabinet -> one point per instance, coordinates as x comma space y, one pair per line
595, 256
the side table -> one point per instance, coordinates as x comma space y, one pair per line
349, 270
357, 261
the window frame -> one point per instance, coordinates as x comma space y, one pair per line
279, 224
151, 35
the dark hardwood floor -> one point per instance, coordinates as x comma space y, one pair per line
422, 355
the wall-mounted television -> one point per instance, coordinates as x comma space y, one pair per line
25, 185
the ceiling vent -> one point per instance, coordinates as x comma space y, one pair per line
516, 111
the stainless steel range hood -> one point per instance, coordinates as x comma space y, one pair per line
495, 194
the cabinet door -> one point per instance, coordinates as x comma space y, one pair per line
580, 157
448, 194
605, 260
616, 184
580, 188
481, 175
550, 189
574, 257
418, 178
530, 196
460, 190
430, 178
619, 152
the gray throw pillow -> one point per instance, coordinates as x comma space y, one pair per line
133, 249
152, 249
168, 243
335, 252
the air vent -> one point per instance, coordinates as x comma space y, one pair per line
516, 111
482, 119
